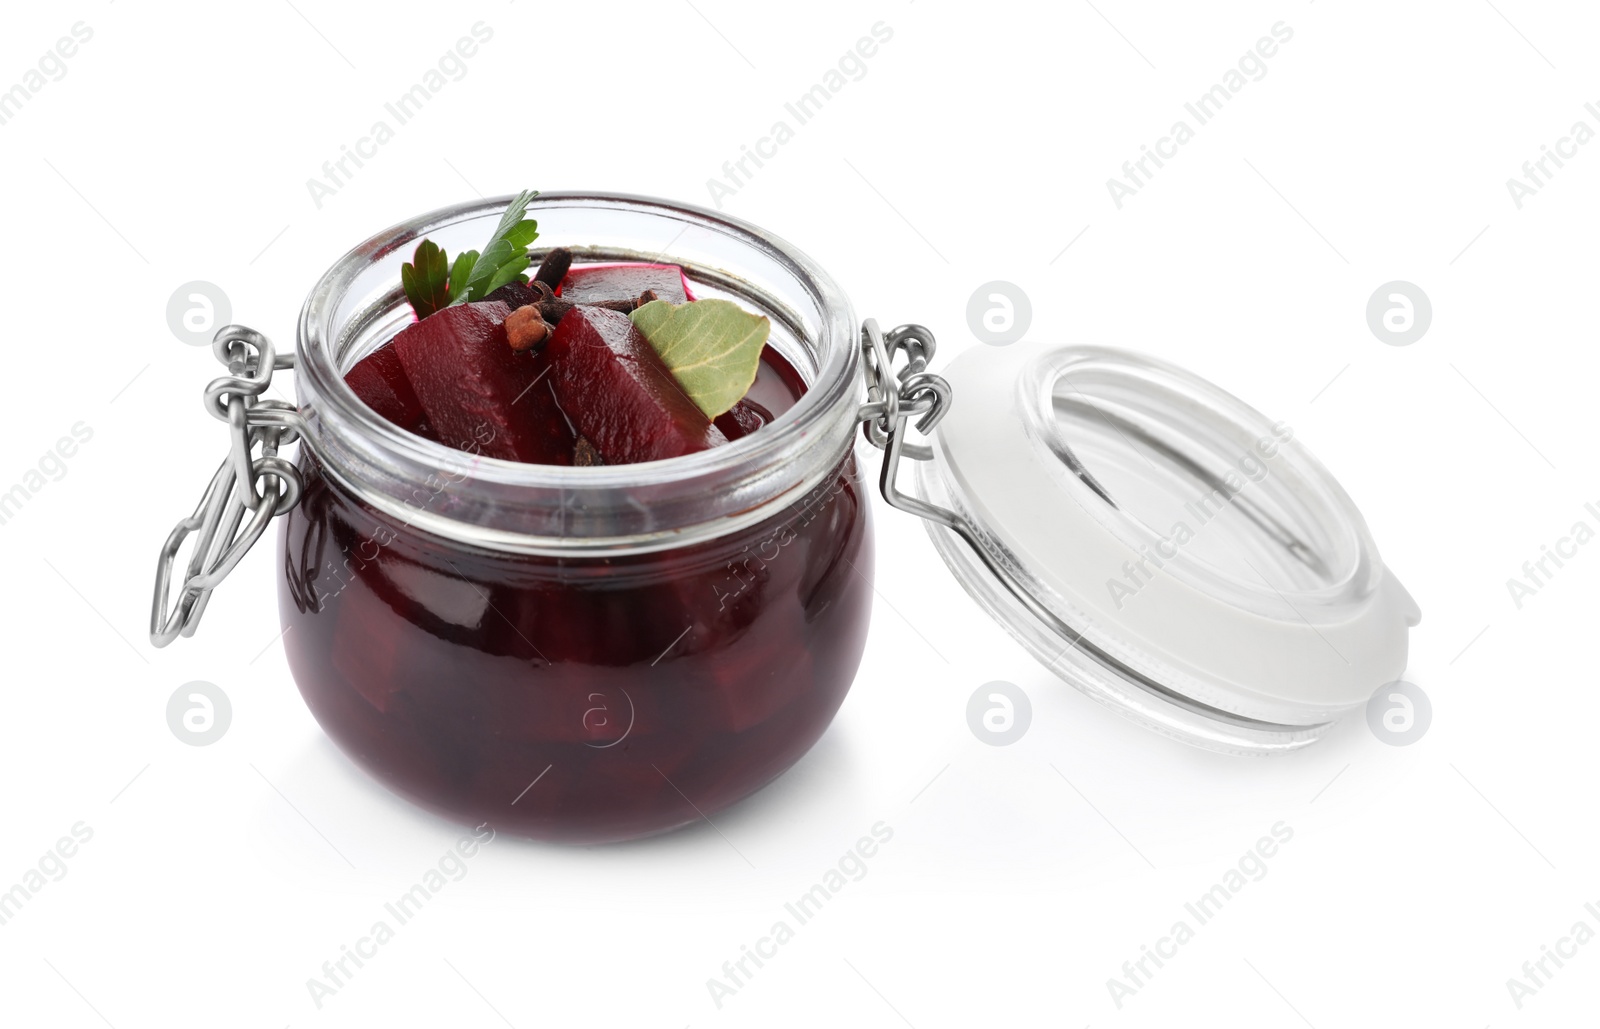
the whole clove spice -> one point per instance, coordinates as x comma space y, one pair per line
540, 292
554, 267
554, 307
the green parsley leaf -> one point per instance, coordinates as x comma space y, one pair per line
425, 279
432, 283
523, 233
460, 273
505, 256
712, 347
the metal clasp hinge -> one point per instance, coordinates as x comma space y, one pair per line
893, 399
267, 485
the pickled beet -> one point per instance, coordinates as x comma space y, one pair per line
539, 416
452, 378
620, 397
592, 283
381, 383
468, 379
742, 419
578, 698
514, 295
774, 391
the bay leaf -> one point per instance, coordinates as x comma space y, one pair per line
712, 347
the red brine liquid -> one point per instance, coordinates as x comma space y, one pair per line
579, 699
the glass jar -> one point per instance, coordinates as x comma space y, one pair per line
581, 654
599, 653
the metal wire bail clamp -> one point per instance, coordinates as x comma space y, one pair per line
268, 485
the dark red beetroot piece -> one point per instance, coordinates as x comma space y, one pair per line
619, 395
381, 383
775, 390
469, 381
458, 676
515, 295
744, 418
506, 405
593, 283
543, 417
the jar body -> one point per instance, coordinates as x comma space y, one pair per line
584, 698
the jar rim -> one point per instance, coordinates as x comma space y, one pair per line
509, 505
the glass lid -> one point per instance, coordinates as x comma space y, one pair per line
1158, 544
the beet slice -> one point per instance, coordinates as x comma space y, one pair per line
380, 381
376, 661
515, 295
620, 397
778, 386
593, 283
468, 380
540, 416
749, 682
742, 419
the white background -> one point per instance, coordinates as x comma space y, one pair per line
977, 147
